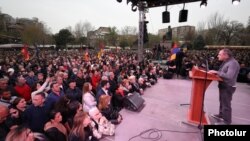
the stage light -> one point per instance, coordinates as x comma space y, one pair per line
183, 15
165, 16
235, 2
203, 4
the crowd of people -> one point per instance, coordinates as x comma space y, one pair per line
71, 95
77, 95
186, 60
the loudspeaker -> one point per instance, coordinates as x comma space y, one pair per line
183, 15
165, 17
134, 102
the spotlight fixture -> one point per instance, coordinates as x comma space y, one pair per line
183, 14
165, 16
203, 4
235, 2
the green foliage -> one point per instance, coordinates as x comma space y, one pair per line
33, 33
248, 26
62, 38
199, 43
153, 39
83, 40
127, 40
123, 43
112, 37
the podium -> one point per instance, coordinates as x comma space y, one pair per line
200, 81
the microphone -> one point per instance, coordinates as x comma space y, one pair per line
204, 65
207, 67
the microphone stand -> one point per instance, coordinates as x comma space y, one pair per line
203, 98
200, 127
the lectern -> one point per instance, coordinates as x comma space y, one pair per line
200, 81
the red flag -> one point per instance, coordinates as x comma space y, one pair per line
25, 52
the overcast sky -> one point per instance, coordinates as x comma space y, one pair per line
58, 14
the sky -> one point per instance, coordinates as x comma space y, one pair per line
59, 14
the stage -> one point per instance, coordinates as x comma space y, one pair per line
163, 112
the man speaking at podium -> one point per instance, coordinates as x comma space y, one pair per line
228, 71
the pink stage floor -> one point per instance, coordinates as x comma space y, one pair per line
163, 112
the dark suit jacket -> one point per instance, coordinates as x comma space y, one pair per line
99, 93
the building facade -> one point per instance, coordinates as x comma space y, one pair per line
97, 35
180, 32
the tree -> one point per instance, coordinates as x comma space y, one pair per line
81, 29
199, 42
231, 31
83, 40
248, 25
87, 26
112, 36
127, 40
129, 30
190, 35
201, 28
62, 38
245, 36
128, 36
209, 37
223, 32
215, 23
80, 32
123, 42
2, 23
153, 40
34, 33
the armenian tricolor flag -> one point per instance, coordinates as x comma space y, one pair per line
174, 50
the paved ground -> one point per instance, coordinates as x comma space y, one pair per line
163, 112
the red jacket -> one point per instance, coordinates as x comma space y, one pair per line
24, 91
95, 80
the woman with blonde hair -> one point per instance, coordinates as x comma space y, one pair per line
100, 122
81, 130
23, 133
107, 110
